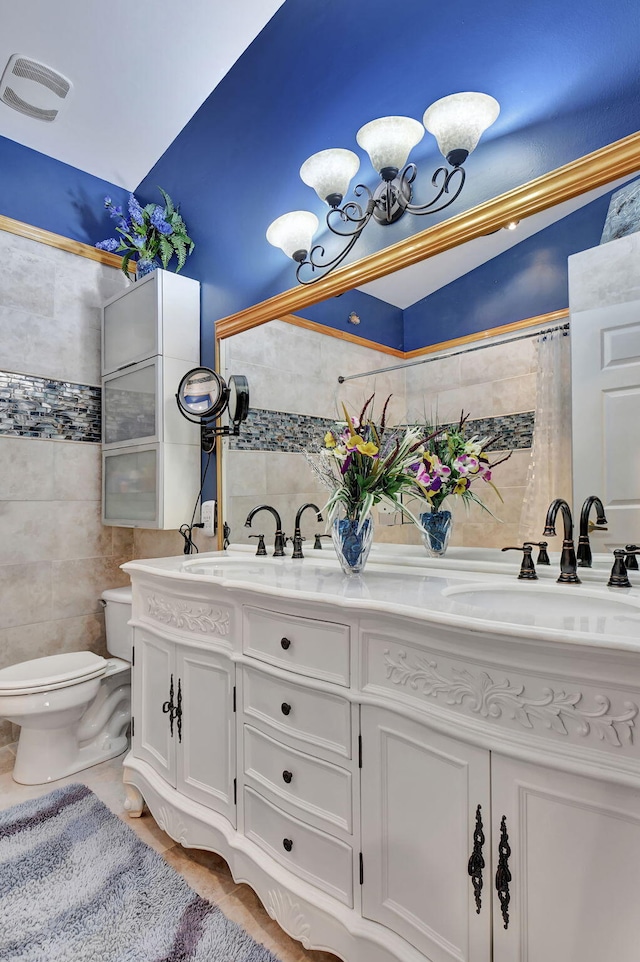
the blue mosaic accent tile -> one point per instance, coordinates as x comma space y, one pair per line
296, 433
38, 407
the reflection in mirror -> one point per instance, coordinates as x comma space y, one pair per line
496, 383
202, 393
512, 382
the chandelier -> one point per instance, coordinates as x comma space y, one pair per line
457, 122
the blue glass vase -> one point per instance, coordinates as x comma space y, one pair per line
145, 266
352, 546
436, 531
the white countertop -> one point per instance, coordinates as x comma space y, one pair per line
472, 589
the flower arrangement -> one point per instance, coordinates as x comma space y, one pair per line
365, 463
450, 463
148, 233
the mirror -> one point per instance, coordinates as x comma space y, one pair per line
203, 396
294, 364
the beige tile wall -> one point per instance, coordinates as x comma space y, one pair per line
291, 369
55, 556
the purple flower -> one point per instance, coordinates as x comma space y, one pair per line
138, 241
158, 221
135, 210
107, 202
124, 225
110, 244
115, 212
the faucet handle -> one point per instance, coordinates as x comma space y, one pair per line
631, 561
597, 526
261, 548
527, 568
318, 542
619, 577
543, 557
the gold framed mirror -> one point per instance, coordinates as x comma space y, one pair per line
250, 483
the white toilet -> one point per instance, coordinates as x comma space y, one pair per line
73, 709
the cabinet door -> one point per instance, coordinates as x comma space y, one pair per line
575, 852
153, 676
206, 753
420, 792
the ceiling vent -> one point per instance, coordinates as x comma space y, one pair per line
33, 89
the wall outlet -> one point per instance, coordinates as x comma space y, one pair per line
208, 518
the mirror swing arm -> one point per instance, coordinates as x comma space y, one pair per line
203, 396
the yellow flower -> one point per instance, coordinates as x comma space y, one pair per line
329, 440
369, 448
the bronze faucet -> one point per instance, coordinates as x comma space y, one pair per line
297, 535
568, 564
584, 547
278, 544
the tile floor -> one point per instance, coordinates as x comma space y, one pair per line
206, 873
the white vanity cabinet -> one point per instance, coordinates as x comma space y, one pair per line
406, 790
184, 725
150, 453
420, 794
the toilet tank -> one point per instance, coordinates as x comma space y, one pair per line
117, 612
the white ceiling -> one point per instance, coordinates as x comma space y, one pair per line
139, 69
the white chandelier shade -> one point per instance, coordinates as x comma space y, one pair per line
330, 172
293, 232
459, 120
389, 141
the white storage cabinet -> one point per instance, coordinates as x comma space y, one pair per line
151, 454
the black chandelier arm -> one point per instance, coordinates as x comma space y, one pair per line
326, 268
446, 176
352, 213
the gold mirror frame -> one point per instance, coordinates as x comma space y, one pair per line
594, 170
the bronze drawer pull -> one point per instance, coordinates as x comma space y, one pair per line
288, 844
285, 643
285, 708
287, 776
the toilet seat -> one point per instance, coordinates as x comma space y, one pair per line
51, 672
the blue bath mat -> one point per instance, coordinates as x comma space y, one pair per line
78, 885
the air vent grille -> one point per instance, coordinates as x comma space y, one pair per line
41, 74
34, 89
11, 98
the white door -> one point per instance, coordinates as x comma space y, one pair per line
420, 796
154, 701
605, 393
206, 729
574, 893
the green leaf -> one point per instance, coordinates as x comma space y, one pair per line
167, 200
181, 250
166, 251
124, 267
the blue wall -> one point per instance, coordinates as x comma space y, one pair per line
46, 193
380, 322
568, 84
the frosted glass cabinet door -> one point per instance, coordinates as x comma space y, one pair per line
130, 480
129, 404
130, 326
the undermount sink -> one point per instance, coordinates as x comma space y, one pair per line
565, 607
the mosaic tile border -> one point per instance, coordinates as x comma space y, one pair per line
296, 433
39, 407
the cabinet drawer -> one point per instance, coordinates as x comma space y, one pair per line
315, 786
316, 648
316, 857
316, 717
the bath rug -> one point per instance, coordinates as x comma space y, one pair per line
78, 885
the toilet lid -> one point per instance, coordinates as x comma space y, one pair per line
53, 671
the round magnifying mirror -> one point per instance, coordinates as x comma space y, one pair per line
202, 393
238, 398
